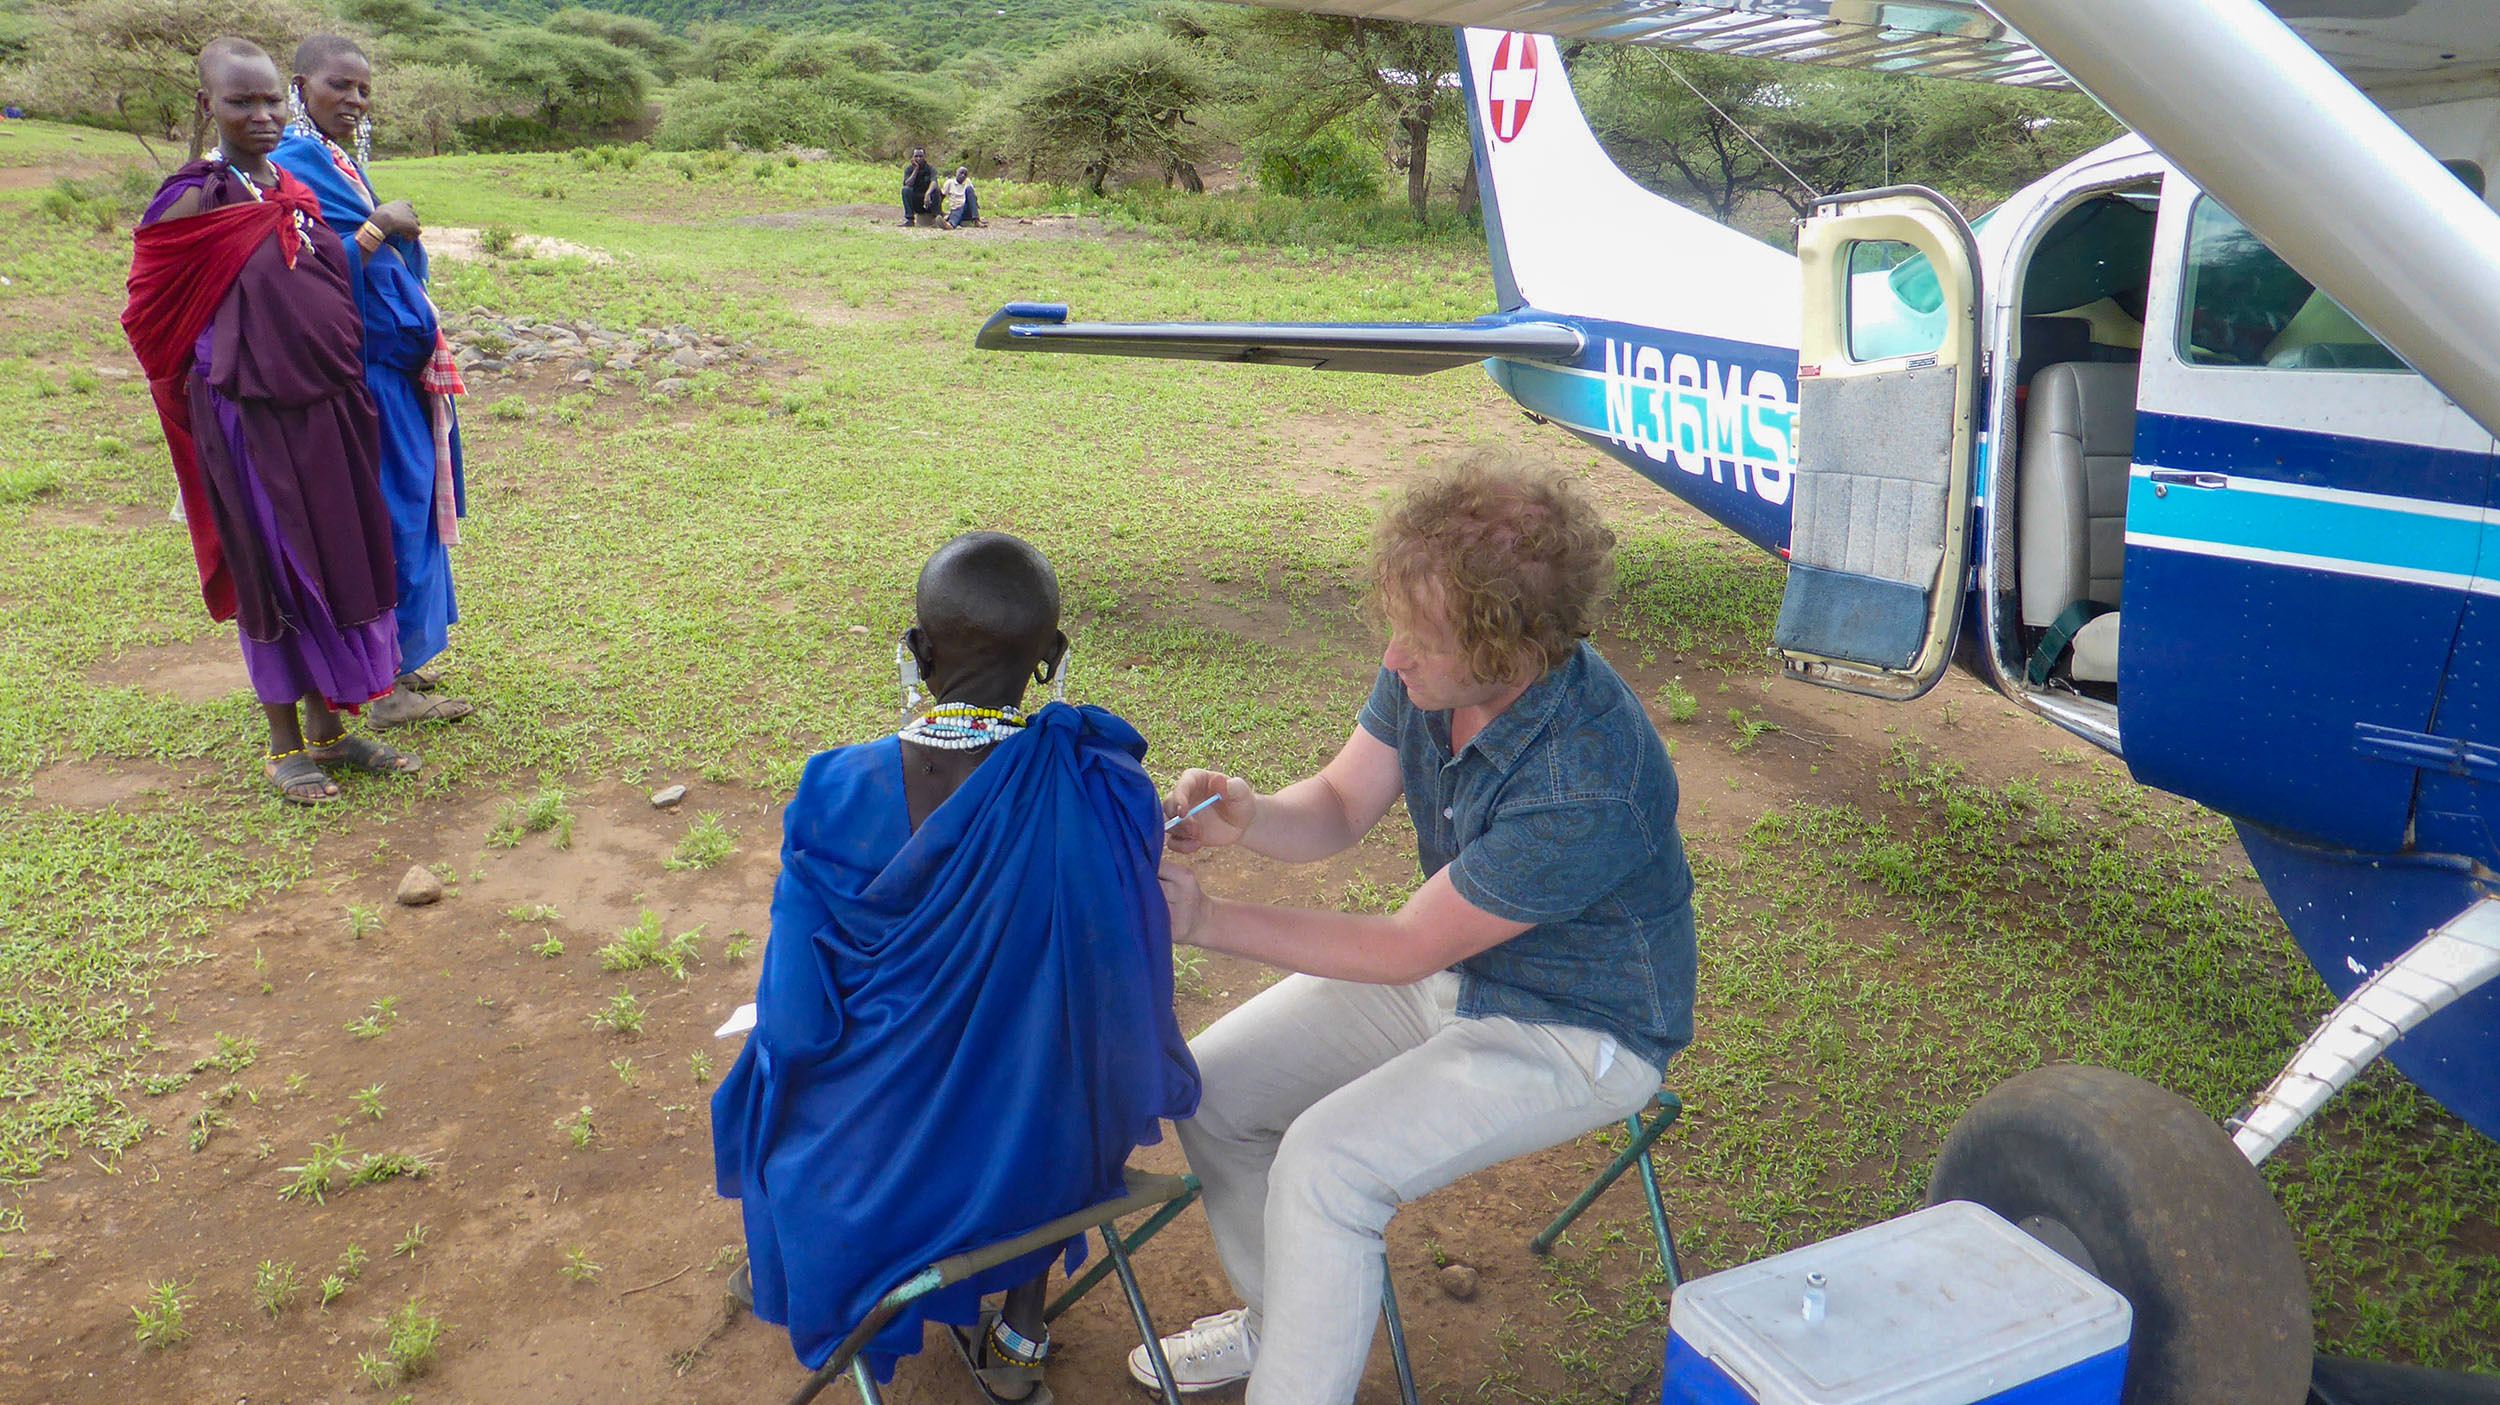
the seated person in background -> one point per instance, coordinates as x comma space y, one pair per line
962, 206
964, 1019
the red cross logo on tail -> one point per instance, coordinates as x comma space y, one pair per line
1513, 85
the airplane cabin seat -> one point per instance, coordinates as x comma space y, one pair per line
2071, 507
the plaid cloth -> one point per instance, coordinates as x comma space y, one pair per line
441, 381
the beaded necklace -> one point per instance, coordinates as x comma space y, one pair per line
303, 227
962, 727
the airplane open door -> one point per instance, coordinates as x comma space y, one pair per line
1887, 392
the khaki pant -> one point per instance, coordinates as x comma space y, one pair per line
1327, 1105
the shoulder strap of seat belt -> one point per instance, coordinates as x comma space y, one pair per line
2061, 637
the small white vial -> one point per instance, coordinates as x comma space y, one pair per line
1814, 1297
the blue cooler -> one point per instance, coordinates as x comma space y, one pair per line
1947, 1306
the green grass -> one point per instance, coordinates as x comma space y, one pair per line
31, 143
621, 1015
159, 1320
659, 587
644, 945
544, 813
705, 844
275, 1287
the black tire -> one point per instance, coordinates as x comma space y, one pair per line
2148, 1194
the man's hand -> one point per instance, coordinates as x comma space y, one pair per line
397, 220
1216, 827
1184, 897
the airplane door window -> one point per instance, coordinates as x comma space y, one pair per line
1895, 307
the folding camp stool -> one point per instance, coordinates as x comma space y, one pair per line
1146, 1191
1664, 1108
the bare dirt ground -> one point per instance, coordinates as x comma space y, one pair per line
457, 242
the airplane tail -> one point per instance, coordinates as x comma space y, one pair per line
1576, 245
1571, 234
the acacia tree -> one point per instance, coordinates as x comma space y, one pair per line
1098, 104
662, 51
422, 105
132, 60
567, 77
1683, 121
1319, 69
1673, 135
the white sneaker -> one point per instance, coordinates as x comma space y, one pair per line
1215, 1352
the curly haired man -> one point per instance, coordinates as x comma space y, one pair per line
1530, 990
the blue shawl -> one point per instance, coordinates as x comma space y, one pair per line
390, 286
401, 331
961, 1032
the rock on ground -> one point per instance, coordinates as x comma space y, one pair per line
1459, 1281
419, 888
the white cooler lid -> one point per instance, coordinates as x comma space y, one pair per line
1945, 1306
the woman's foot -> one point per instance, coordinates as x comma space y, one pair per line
298, 779
363, 754
417, 680
401, 706
1006, 1372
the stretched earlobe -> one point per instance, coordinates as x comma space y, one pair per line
1054, 671
907, 670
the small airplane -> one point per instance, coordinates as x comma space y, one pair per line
2188, 447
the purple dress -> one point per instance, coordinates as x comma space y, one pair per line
288, 447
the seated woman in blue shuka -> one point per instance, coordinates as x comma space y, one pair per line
964, 1018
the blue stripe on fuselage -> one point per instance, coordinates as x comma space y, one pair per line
2380, 538
1712, 421
2313, 459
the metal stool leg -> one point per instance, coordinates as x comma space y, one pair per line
866, 1380
1658, 1223
1137, 1306
1666, 1108
1397, 1334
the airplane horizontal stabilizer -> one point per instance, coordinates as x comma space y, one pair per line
1390, 348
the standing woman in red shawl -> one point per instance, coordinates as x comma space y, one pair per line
243, 317
408, 366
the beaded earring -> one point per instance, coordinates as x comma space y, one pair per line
296, 117
1057, 678
907, 671
364, 142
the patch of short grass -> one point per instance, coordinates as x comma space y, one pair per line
706, 843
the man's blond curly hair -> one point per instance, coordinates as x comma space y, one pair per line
1513, 554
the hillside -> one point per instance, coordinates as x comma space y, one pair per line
926, 32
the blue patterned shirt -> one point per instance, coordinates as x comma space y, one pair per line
1560, 814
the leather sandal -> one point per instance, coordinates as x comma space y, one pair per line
1000, 1380
363, 754
299, 779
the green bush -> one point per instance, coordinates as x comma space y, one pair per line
1332, 163
766, 116
102, 204
1269, 219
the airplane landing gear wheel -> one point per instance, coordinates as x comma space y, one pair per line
2147, 1193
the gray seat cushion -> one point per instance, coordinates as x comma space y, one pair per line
2094, 658
2071, 508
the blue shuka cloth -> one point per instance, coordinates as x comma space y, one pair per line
400, 328
961, 1032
